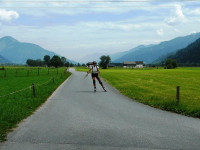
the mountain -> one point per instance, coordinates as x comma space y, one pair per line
150, 53
116, 56
189, 55
19, 52
4, 60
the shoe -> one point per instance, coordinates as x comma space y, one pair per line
95, 89
104, 89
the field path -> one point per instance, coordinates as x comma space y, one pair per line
75, 117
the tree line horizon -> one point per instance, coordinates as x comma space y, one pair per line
57, 61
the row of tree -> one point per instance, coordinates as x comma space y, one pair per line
55, 61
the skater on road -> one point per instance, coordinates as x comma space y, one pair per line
95, 74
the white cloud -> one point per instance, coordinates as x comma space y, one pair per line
111, 25
46, 7
177, 16
194, 12
8, 15
160, 32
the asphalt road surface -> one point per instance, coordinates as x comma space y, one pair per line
76, 118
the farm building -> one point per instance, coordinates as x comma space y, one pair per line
133, 64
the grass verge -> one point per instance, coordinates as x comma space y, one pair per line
15, 107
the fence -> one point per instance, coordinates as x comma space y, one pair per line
17, 72
33, 75
29, 87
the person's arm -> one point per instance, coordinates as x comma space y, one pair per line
89, 71
98, 70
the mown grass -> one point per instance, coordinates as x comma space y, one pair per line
17, 106
157, 87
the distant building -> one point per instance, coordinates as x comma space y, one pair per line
89, 64
133, 64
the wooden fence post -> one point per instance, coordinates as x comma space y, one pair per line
33, 85
177, 94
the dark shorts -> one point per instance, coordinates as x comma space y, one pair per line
95, 75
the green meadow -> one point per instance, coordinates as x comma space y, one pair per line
16, 92
157, 87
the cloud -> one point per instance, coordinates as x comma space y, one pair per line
47, 7
8, 15
160, 32
177, 16
111, 25
194, 12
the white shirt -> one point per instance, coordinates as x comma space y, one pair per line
94, 69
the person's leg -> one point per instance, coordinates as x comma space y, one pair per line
100, 82
94, 83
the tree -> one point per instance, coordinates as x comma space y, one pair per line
47, 60
171, 63
64, 60
71, 65
67, 64
56, 61
30, 62
78, 65
34, 63
105, 60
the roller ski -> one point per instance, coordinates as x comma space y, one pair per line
104, 89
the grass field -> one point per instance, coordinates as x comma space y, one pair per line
157, 87
16, 106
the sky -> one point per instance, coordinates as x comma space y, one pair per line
77, 28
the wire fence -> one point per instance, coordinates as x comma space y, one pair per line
16, 92
22, 72
34, 74
29, 87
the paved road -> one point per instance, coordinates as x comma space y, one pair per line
77, 118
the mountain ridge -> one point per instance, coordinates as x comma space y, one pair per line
150, 53
189, 55
18, 52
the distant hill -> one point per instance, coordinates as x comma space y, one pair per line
19, 52
4, 60
150, 53
189, 55
116, 56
